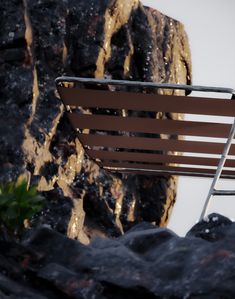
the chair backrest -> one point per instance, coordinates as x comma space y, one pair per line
117, 128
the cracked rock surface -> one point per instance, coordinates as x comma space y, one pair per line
43, 39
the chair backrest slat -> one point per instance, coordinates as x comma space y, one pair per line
167, 169
153, 144
146, 102
107, 155
131, 140
149, 126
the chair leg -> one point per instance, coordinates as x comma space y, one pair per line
219, 170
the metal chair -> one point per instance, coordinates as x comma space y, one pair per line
128, 144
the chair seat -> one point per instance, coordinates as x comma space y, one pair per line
120, 132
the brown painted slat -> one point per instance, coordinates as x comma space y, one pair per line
142, 143
145, 125
163, 168
146, 102
155, 158
166, 173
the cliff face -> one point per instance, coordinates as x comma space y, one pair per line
119, 39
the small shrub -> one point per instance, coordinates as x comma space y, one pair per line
18, 203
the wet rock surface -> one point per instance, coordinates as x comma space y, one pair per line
146, 262
41, 40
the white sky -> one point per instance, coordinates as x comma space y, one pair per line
210, 25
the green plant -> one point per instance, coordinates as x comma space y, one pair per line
18, 203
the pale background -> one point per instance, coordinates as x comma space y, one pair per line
210, 25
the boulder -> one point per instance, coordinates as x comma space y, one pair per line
211, 228
44, 39
145, 262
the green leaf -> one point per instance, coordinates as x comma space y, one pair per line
4, 200
17, 203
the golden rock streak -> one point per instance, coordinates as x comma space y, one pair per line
170, 200
29, 41
65, 54
128, 57
114, 20
30, 146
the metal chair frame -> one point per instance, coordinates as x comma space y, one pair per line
71, 97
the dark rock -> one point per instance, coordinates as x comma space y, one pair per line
72, 284
43, 240
145, 241
56, 212
164, 266
41, 40
141, 227
10, 289
212, 228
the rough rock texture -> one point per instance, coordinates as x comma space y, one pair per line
43, 39
146, 262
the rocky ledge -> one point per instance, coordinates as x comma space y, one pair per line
146, 262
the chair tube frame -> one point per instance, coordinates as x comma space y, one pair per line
189, 88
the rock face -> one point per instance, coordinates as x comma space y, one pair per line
120, 39
146, 262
